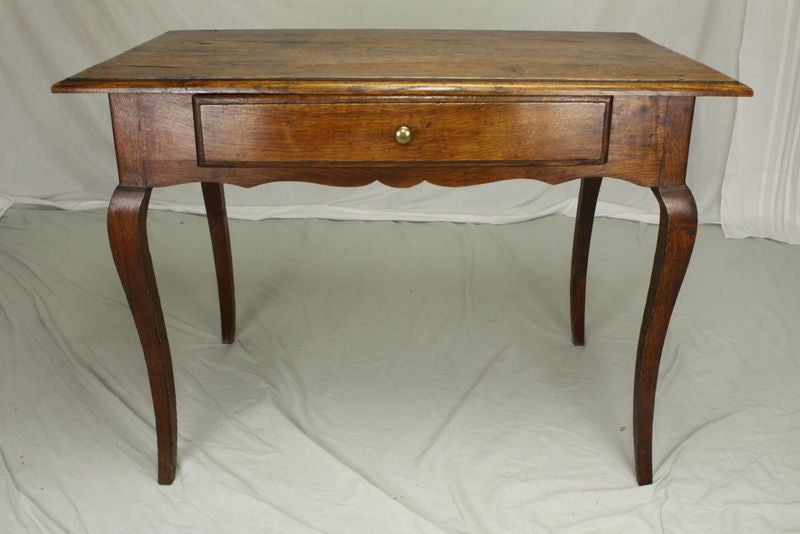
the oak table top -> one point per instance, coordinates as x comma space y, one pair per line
349, 107
355, 61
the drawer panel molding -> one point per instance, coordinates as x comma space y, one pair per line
259, 131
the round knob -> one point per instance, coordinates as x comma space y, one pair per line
403, 135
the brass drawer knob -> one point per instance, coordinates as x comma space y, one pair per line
403, 135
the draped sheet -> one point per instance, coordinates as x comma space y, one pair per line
761, 190
392, 376
395, 377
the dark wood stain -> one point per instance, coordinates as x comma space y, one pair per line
127, 232
214, 199
236, 131
322, 106
584, 220
329, 61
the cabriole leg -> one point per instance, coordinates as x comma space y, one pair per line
676, 234
127, 214
214, 198
584, 219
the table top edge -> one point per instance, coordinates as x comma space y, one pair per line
402, 86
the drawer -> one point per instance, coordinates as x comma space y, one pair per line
236, 131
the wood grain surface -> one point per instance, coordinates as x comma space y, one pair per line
676, 235
217, 215
324, 107
584, 220
400, 61
127, 234
242, 131
162, 147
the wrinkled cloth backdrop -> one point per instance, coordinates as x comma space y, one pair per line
395, 377
761, 189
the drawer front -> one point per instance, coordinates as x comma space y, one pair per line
257, 132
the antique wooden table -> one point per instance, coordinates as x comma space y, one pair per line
348, 107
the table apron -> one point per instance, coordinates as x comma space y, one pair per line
641, 139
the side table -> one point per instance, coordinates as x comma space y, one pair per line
348, 107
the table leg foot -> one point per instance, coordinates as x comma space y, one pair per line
214, 198
584, 219
676, 235
127, 233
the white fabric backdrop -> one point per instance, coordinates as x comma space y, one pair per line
395, 378
58, 147
761, 192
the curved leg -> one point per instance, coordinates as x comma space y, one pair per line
214, 198
676, 234
584, 218
127, 234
